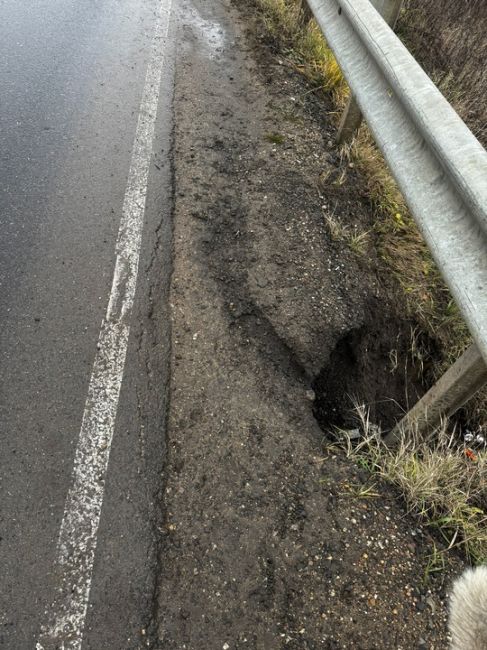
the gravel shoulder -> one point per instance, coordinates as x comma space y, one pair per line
269, 539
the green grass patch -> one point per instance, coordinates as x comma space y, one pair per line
275, 138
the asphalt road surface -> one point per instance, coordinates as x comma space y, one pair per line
85, 241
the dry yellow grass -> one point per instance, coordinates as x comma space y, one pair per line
448, 39
356, 239
442, 484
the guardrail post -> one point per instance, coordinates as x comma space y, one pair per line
352, 116
305, 13
451, 391
350, 122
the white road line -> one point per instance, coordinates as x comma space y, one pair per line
78, 534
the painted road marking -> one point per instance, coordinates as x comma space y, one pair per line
78, 534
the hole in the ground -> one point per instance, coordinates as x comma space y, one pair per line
370, 365
333, 401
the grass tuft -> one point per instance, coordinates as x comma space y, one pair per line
440, 483
275, 138
357, 240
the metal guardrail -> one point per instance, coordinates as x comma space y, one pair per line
352, 117
439, 165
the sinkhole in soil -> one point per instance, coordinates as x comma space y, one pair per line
371, 366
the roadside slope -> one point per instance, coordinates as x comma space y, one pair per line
266, 544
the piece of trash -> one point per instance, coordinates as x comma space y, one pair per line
349, 434
471, 455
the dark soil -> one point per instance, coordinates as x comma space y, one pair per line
368, 366
271, 539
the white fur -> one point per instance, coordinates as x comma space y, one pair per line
468, 611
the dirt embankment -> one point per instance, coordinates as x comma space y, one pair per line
269, 541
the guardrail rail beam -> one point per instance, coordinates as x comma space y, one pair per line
352, 115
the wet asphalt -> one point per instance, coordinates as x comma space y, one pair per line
71, 79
